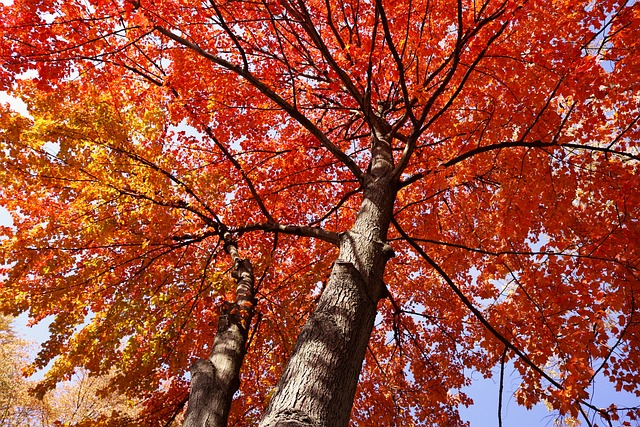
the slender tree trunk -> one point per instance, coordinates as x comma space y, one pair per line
215, 380
318, 385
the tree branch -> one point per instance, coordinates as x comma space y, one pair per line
501, 388
296, 230
533, 144
508, 344
463, 298
269, 93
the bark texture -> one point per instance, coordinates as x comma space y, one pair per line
215, 380
318, 385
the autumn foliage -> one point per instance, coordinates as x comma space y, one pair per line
502, 134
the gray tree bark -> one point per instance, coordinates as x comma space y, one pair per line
215, 380
318, 385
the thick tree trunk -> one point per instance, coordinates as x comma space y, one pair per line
215, 380
318, 386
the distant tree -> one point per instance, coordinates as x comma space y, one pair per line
83, 400
331, 210
17, 407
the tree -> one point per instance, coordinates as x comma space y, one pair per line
82, 401
17, 408
421, 188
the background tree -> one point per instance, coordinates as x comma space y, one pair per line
492, 147
17, 408
83, 400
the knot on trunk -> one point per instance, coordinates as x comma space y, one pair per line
366, 252
293, 418
387, 251
242, 269
202, 367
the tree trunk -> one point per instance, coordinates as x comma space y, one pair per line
318, 385
215, 380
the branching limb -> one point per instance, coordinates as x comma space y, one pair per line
304, 17
534, 144
142, 160
239, 168
508, 344
296, 230
337, 206
398, 60
467, 302
272, 95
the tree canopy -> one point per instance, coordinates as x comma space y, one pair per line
429, 187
